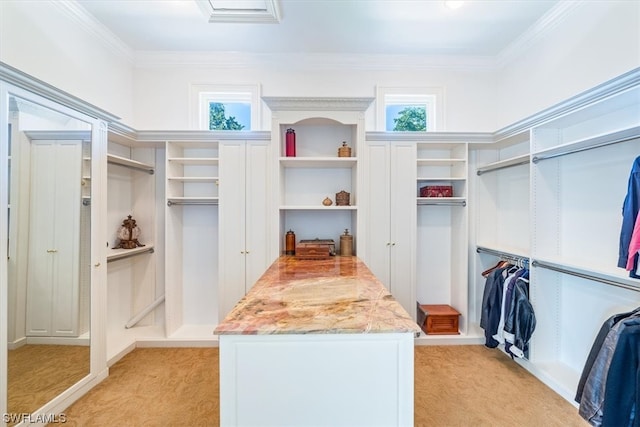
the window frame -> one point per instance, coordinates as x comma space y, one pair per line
431, 97
203, 94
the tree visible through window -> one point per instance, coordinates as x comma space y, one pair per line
218, 120
411, 118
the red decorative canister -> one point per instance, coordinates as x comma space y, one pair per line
290, 146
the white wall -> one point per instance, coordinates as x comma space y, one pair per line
597, 41
162, 92
50, 42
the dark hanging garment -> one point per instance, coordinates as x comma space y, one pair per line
492, 306
621, 400
630, 209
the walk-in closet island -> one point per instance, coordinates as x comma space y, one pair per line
317, 342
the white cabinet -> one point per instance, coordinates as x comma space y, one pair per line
390, 216
54, 238
303, 181
132, 291
244, 218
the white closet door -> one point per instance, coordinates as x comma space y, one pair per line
54, 225
377, 212
232, 225
403, 193
257, 211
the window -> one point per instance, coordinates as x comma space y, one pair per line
409, 109
225, 107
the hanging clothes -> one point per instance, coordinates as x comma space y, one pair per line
593, 395
630, 209
491, 305
520, 320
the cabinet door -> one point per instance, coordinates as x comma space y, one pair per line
402, 210
53, 274
376, 252
232, 225
257, 218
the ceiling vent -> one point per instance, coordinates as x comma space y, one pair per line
255, 11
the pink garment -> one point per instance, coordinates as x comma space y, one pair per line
634, 244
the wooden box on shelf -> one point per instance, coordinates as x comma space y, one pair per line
438, 319
312, 251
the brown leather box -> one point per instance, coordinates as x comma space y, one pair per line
438, 319
312, 251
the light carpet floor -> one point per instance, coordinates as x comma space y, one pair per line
454, 386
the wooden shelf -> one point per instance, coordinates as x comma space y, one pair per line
450, 201
194, 160
316, 208
506, 163
115, 254
318, 162
192, 200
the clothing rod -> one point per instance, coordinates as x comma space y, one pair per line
138, 168
536, 159
505, 255
148, 309
610, 282
130, 254
498, 167
212, 202
443, 203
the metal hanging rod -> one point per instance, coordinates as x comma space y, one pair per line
442, 203
503, 165
504, 255
566, 270
616, 138
191, 202
148, 309
123, 255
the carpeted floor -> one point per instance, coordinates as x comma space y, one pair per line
38, 373
454, 386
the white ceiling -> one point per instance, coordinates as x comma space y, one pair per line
406, 27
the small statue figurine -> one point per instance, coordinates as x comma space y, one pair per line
128, 233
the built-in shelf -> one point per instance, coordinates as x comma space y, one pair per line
588, 143
440, 162
133, 164
115, 254
319, 162
442, 201
194, 178
506, 163
444, 178
317, 208
194, 160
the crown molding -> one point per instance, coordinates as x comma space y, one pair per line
550, 20
310, 61
27, 82
472, 137
95, 28
276, 103
270, 15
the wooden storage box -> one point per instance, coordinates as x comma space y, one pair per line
438, 319
436, 191
312, 251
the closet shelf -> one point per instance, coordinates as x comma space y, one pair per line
588, 144
506, 163
318, 162
442, 201
316, 208
133, 164
444, 178
194, 160
194, 178
440, 162
115, 254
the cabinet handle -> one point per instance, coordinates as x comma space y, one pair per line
242, 252
246, 252
96, 264
393, 244
51, 251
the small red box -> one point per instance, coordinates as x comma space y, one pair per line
436, 191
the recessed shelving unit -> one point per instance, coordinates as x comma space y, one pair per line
192, 173
129, 163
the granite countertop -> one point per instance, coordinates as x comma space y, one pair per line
335, 296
